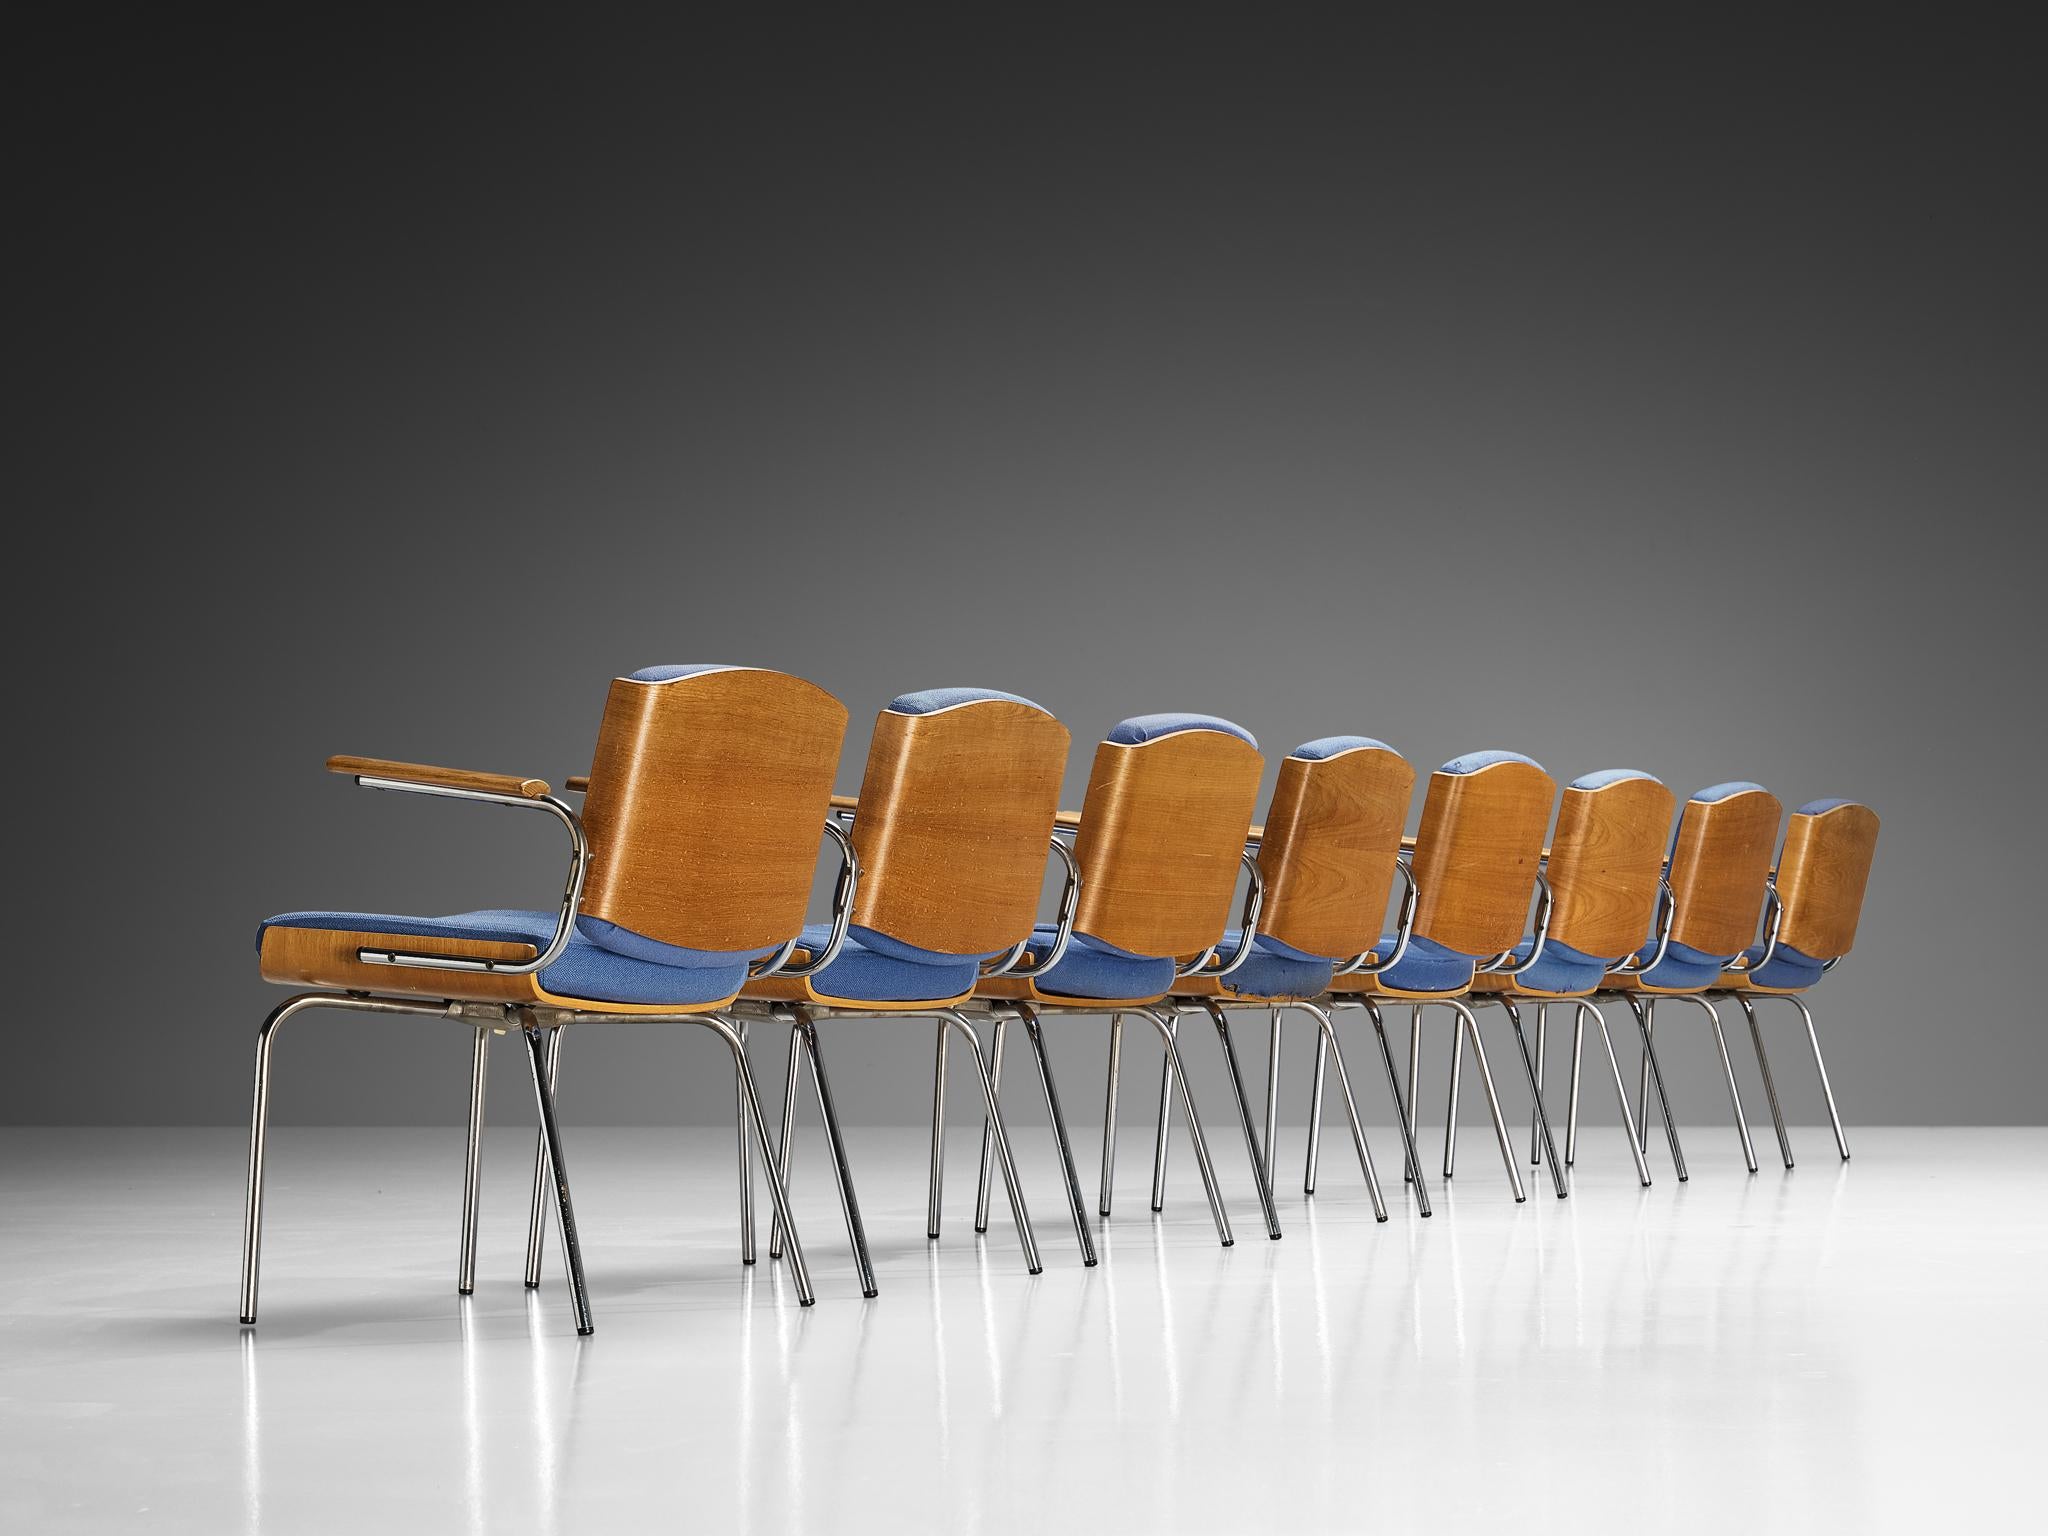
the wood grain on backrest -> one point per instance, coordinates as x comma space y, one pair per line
1719, 866
1605, 860
707, 800
1821, 876
1476, 853
1332, 835
1162, 832
955, 814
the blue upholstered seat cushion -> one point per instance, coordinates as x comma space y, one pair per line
1560, 968
1273, 969
1091, 968
1143, 728
1683, 969
862, 973
1427, 966
584, 971
1789, 968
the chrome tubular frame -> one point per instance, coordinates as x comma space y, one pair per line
1581, 1008
1334, 1051
1221, 1019
1470, 1029
1645, 1010
949, 1019
1027, 1015
727, 1025
481, 1017
1507, 1004
1648, 1019
803, 1045
1749, 1000
572, 890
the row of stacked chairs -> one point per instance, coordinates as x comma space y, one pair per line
695, 850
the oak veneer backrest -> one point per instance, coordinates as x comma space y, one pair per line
1822, 874
708, 793
1162, 833
1332, 836
956, 810
1605, 860
1720, 865
1477, 849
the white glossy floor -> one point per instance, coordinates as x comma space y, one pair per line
1849, 1348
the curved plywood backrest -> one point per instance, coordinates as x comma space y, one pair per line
1822, 874
1476, 851
1720, 864
1162, 833
1333, 834
955, 813
708, 793
1605, 860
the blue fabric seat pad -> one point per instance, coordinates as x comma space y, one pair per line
584, 971
1426, 967
1790, 969
1092, 968
1272, 970
1560, 968
863, 974
1684, 968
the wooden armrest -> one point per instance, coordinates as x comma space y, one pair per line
439, 778
577, 783
846, 802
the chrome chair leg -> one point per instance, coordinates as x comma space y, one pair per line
537, 1210
1542, 1051
472, 1169
746, 1161
1116, 1055
1403, 1112
954, 1019
842, 1170
1075, 1201
1414, 1077
1165, 1025
784, 1152
1272, 1092
1163, 1133
1571, 1127
1257, 1153
938, 1174
1646, 1019
1728, 1072
799, 1270
1834, 1115
1628, 1123
1535, 1076
1644, 1012
1500, 1124
259, 1135
542, 1055
995, 1071
1328, 1031
1315, 1118
1451, 1115
1763, 1062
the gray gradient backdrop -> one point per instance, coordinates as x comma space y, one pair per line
1626, 395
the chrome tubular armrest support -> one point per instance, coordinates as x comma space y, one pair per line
1254, 898
1667, 908
572, 889
1404, 927
1504, 964
842, 912
1774, 917
1070, 898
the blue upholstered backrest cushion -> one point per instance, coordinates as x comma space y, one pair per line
624, 941
1715, 792
1143, 728
1600, 778
931, 700
1326, 747
1816, 807
1472, 762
